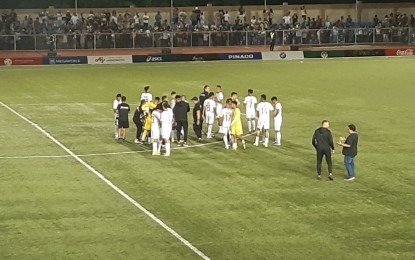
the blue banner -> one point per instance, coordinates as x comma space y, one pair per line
64, 60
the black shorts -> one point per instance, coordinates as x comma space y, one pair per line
123, 124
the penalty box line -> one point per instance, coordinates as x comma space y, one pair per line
110, 184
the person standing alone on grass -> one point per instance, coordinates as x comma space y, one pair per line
115, 104
123, 123
180, 111
323, 143
349, 145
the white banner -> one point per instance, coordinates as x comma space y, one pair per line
283, 55
121, 59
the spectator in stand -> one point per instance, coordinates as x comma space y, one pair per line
202, 20
375, 20
295, 19
303, 12
226, 17
146, 19
158, 19
270, 16
287, 20
253, 21
349, 21
242, 17
176, 15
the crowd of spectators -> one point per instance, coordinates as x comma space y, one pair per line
113, 27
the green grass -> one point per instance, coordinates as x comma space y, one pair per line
261, 203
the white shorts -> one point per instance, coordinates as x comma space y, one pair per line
210, 118
250, 114
218, 110
263, 124
166, 132
277, 123
155, 134
225, 130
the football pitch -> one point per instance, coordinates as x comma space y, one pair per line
259, 203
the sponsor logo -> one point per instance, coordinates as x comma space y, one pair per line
154, 59
407, 52
8, 62
324, 55
100, 60
283, 55
240, 56
52, 60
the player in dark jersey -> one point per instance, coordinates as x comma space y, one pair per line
123, 123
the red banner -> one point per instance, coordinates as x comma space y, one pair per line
21, 61
400, 52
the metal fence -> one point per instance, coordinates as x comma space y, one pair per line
75, 41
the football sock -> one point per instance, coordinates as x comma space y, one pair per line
249, 126
253, 124
168, 148
159, 146
279, 137
154, 147
257, 139
266, 140
210, 130
225, 140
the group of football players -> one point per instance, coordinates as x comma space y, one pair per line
155, 120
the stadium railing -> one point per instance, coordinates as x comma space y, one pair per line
352, 36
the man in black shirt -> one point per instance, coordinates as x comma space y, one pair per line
203, 96
349, 145
323, 143
123, 123
180, 111
197, 118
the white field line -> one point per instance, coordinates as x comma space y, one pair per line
105, 154
113, 186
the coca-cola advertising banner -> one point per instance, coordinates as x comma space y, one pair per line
400, 52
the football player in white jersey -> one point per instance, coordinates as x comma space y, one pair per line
172, 104
277, 120
155, 129
115, 104
219, 102
209, 113
250, 102
166, 126
264, 110
226, 115
146, 95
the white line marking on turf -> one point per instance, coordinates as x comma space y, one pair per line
109, 183
35, 156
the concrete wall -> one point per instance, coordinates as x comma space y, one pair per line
334, 11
